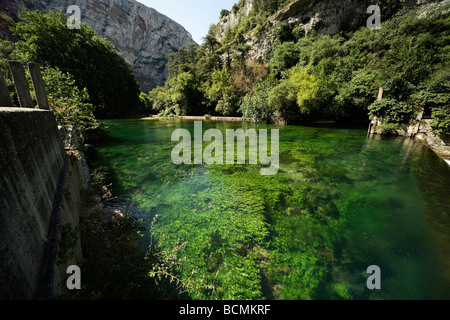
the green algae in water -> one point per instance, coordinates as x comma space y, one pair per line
339, 204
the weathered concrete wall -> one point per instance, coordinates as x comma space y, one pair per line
70, 217
31, 160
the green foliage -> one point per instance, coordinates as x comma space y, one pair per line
68, 103
435, 96
93, 62
390, 7
391, 111
285, 56
283, 98
6, 51
398, 88
222, 92
345, 72
299, 91
389, 128
441, 117
224, 13
184, 60
284, 32
178, 97
354, 97
256, 105
261, 10
308, 87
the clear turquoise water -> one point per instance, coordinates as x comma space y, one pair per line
340, 203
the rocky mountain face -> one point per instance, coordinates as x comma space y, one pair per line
9, 13
328, 17
141, 34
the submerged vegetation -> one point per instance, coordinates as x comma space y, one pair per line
309, 232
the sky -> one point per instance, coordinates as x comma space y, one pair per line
194, 15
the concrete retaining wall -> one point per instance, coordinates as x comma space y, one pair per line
31, 161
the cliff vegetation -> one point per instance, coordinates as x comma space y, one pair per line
304, 76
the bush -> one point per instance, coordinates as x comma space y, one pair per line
441, 120
435, 96
389, 128
68, 103
285, 56
353, 98
398, 88
391, 111
256, 105
179, 96
224, 13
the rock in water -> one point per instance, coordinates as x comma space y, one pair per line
141, 34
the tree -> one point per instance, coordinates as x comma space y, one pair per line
224, 13
285, 56
184, 94
307, 91
180, 96
68, 103
221, 92
434, 96
256, 105
391, 111
354, 97
94, 63
300, 89
183, 60
211, 40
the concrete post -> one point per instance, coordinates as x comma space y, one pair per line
21, 84
38, 84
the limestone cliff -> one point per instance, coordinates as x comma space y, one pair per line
327, 17
9, 13
141, 34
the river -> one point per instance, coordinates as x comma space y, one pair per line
340, 202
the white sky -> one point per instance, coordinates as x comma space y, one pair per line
194, 15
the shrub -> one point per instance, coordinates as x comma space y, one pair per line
256, 105
435, 96
391, 111
285, 56
68, 103
389, 128
353, 98
441, 120
224, 13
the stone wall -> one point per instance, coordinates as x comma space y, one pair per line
32, 159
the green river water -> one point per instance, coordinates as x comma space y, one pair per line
340, 203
